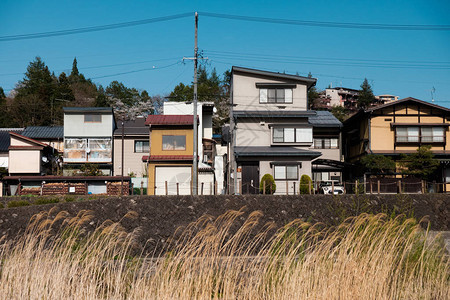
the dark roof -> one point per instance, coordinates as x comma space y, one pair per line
408, 99
44, 132
133, 127
273, 114
169, 120
274, 151
324, 118
88, 110
5, 139
309, 81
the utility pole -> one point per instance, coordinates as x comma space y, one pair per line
195, 162
121, 169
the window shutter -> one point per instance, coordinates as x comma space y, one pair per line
304, 135
288, 95
262, 95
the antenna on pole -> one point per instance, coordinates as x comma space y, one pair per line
433, 91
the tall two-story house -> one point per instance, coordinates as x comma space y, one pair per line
272, 131
171, 154
400, 127
88, 138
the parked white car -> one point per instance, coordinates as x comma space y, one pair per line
326, 187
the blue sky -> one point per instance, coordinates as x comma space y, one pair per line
404, 63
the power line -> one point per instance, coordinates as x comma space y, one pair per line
329, 24
140, 70
92, 28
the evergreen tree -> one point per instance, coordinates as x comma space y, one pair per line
74, 72
313, 95
366, 97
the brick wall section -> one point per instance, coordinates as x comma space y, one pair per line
160, 216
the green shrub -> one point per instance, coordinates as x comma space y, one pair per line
69, 199
137, 191
41, 201
270, 182
304, 184
16, 203
1, 206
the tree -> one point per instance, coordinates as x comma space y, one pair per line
339, 112
305, 182
74, 72
378, 164
268, 182
366, 96
420, 164
313, 94
210, 88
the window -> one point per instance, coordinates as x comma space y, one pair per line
87, 150
326, 143
425, 134
292, 135
141, 146
275, 95
286, 172
92, 118
174, 142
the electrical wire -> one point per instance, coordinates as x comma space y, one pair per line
406, 27
91, 28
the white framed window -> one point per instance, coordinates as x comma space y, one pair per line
438, 134
275, 95
288, 172
326, 143
92, 118
173, 142
424, 134
292, 135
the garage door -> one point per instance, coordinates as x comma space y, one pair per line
173, 175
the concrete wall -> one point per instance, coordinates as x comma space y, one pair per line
74, 126
246, 94
24, 161
133, 160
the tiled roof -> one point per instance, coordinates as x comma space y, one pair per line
134, 127
166, 157
5, 139
87, 109
169, 120
274, 151
44, 132
324, 118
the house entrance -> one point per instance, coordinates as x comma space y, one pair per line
250, 178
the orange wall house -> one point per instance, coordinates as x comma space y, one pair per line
171, 154
400, 127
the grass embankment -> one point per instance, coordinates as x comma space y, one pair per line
367, 257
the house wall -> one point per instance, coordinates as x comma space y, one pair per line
152, 172
4, 160
24, 161
156, 141
246, 94
133, 160
15, 141
74, 126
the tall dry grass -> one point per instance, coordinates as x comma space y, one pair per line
367, 257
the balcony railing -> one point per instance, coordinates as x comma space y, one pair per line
420, 139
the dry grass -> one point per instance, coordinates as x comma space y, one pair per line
367, 257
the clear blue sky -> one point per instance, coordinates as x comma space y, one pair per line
404, 63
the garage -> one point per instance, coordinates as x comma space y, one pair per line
173, 175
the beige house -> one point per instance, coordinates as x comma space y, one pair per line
273, 132
28, 156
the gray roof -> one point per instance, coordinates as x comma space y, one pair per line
88, 110
44, 132
5, 138
309, 81
324, 118
273, 114
134, 127
274, 151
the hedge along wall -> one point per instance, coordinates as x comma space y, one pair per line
160, 216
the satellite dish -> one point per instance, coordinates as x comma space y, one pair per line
44, 159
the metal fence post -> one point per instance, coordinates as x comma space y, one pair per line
167, 190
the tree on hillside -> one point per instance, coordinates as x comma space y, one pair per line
420, 164
339, 112
366, 96
211, 89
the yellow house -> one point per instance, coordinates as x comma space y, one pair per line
170, 159
400, 127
